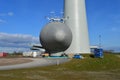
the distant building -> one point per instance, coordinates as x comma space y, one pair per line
32, 54
92, 48
3, 54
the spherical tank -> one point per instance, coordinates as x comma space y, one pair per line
56, 37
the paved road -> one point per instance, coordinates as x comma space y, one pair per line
118, 56
35, 63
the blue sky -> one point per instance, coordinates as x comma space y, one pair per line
24, 19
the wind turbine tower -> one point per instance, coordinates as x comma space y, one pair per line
75, 19
67, 35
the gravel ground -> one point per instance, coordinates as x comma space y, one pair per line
13, 61
34, 62
119, 56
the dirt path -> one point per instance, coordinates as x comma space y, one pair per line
13, 61
19, 63
118, 56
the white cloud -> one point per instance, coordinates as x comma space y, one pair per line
2, 14
12, 49
10, 13
113, 29
7, 14
2, 21
114, 48
17, 40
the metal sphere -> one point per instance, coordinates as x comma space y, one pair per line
56, 37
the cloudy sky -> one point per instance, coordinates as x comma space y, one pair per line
22, 20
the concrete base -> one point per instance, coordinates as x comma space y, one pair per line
57, 54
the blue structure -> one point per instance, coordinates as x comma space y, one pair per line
78, 56
98, 53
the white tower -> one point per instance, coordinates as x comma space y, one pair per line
75, 18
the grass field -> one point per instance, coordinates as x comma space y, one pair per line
89, 68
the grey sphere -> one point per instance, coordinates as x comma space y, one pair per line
56, 37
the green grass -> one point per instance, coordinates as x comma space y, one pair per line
89, 68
